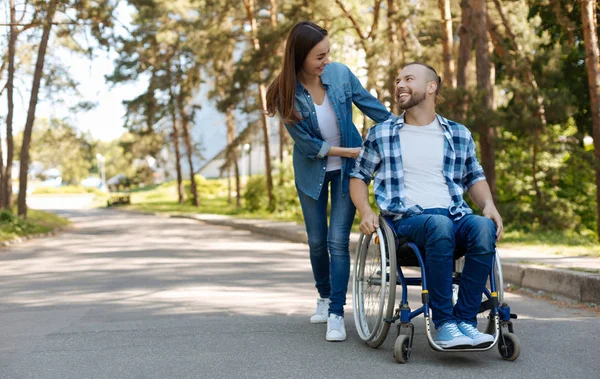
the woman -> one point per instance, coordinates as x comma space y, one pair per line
314, 99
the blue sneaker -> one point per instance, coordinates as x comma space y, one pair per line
449, 336
479, 339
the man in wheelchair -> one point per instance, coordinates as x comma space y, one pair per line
422, 163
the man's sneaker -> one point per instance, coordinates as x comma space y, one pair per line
450, 337
336, 331
479, 339
320, 316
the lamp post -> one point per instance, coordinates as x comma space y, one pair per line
247, 149
102, 170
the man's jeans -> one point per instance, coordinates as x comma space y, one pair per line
436, 232
335, 241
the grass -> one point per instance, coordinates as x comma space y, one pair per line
560, 243
12, 226
66, 190
162, 199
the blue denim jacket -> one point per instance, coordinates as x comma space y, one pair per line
309, 157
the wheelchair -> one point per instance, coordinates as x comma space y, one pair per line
377, 271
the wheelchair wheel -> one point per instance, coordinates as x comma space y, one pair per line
509, 346
374, 285
402, 348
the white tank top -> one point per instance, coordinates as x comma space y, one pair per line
423, 163
329, 131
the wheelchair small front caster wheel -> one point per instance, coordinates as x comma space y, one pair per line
509, 346
402, 348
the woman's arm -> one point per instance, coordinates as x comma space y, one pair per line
309, 145
366, 102
346, 152
313, 147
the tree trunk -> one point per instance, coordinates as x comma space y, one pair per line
249, 5
592, 59
175, 137
190, 151
281, 130
35, 89
394, 47
484, 86
5, 173
464, 53
230, 119
365, 129
282, 140
447, 44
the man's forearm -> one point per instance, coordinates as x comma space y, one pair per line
359, 192
481, 195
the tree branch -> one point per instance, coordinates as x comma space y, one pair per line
352, 20
505, 20
375, 18
30, 25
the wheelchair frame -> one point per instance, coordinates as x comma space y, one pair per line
386, 314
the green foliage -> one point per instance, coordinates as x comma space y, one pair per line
56, 144
254, 194
12, 226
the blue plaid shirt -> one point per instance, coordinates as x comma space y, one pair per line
381, 158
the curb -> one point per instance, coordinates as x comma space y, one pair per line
580, 286
575, 285
285, 230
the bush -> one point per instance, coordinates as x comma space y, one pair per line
12, 223
255, 194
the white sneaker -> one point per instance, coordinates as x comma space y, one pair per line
320, 315
336, 331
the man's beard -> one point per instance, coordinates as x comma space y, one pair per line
416, 98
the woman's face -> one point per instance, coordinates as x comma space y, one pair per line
317, 58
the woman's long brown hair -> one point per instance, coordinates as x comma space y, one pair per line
281, 95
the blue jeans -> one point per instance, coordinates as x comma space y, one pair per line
438, 234
331, 275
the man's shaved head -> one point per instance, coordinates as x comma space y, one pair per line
431, 74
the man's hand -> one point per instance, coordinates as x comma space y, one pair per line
369, 223
491, 212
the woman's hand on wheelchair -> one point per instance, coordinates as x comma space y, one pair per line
369, 223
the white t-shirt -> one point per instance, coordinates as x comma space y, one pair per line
423, 162
329, 131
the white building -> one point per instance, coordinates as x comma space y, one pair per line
251, 152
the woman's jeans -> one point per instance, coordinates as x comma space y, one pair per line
331, 275
437, 232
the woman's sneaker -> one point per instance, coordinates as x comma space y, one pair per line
479, 339
449, 336
336, 330
320, 315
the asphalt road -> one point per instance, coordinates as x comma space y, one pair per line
133, 296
